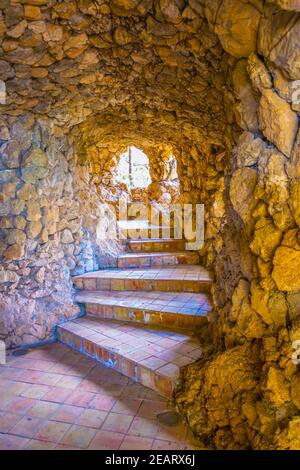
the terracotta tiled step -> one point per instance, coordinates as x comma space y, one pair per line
139, 260
174, 309
166, 279
156, 244
150, 356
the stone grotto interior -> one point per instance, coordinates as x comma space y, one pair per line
106, 338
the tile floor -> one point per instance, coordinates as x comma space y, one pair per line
151, 355
55, 398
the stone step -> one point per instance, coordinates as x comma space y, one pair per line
150, 356
174, 309
139, 260
181, 278
155, 244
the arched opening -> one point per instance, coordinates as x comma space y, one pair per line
133, 169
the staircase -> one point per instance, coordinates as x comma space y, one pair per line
141, 317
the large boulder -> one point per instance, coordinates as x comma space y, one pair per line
211, 397
279, 40
277, 121
236, 24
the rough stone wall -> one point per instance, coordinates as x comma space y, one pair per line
247, 396
49, 215
217, 80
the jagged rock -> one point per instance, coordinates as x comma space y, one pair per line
34, 228
289, 438
66, 236
242, 186
236, 25
14, 252
32, 12
218, 405
249, 149
34, 165
276, 387
266, 238
277, 121
258, 73
259, 302
278, 41
286, 269
33, 210
247, 107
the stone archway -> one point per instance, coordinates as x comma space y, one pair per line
217, 80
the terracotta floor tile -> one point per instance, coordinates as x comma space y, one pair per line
7, 421
134, 391
35, 391
153, 362
117, 422
66, 447
102, 402
92, 418
69, 382
67, 413
27, 427
80, 398
39, 445
79, 436
150, 409
91, 386
52, 431
16, 388
143, 427
136, 443
128, 406
57, 394
10, 373
20, 404
84, 405
172, 433
106, 440
30, 376
167, 445
49, 378
9, 442
42, 409
33, 364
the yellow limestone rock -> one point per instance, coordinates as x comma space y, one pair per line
276, 387
277, 121
242, 186
266, 238
286, 272
236, 24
